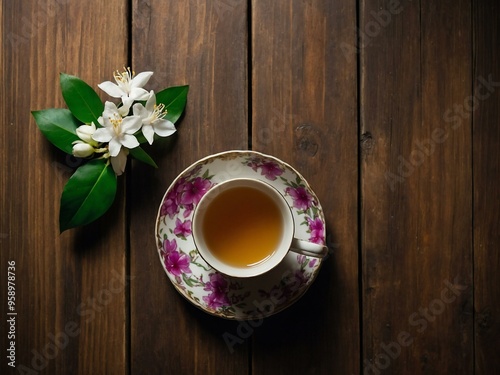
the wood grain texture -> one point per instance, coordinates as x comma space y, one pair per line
71, 319
416, 188
397, 133
486, 139
204, 45
304, 112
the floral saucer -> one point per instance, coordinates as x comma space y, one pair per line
211, 291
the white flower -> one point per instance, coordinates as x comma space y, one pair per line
82, 149
85, 132
119, 162
152, 117
125, 107
117, 130
128, 85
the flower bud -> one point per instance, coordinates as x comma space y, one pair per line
83, 150
85, 133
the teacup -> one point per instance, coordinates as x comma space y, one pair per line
244, 227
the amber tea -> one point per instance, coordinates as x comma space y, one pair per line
242, 226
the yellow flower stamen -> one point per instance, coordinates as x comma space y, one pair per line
116, 122
125, 76
159, 111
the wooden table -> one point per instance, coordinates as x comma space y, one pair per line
397, 132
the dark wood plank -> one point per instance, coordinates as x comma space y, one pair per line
486, 138
70, 292
304, 112
416, 188
203, 44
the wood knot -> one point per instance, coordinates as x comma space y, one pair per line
484, 321
307, 139
367, 142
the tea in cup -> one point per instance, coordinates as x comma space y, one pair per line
244, 227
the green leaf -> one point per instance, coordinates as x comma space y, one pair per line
88, 194
141, 155
189, 282
81, 99
174, 99
58, 125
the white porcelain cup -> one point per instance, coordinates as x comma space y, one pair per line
285, 240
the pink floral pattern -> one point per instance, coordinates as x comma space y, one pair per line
269, 168
175, 262
302, 199
182, 228
218, 288
171, 203
317, 230
222, 295
193, 191
185, 194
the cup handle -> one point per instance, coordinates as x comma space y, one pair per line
308, 248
